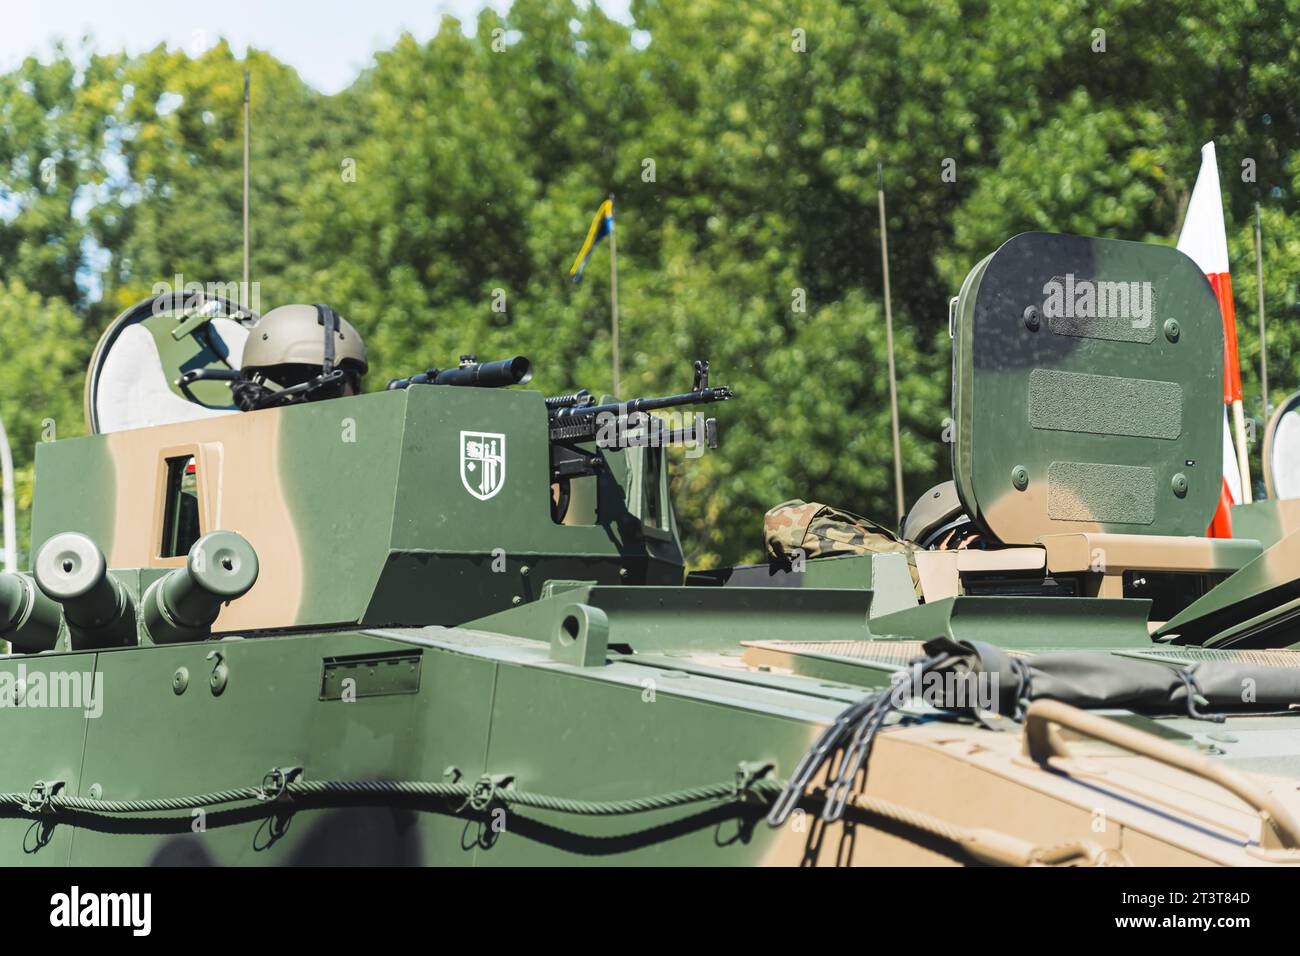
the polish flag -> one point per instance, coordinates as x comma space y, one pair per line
1205, 241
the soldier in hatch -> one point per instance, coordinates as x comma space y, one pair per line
939, 522
299, 353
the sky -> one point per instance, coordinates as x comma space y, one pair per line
327, 41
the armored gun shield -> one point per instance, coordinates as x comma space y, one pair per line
1087, 392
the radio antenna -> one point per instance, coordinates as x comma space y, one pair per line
889, 345
243, 289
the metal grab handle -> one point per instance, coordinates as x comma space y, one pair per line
1280, 830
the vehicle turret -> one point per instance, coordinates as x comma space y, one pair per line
446, 496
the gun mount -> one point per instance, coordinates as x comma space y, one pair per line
576, 419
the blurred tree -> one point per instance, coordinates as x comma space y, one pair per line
40, 383
52, 126
175, 207
438, 201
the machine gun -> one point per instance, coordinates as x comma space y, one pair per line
576, 419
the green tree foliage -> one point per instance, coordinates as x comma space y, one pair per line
53, 119
175, 207
40, 391
439, 200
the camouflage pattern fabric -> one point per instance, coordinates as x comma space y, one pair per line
817, 530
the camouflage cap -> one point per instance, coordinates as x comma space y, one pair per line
818, 530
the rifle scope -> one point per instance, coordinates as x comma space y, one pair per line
473, 374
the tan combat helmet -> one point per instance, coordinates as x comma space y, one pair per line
934, 516
310, 351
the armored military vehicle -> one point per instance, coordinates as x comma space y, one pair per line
449, 622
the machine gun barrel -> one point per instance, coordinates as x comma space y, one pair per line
578, 423
703, 396
471, 373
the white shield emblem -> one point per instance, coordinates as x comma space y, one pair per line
482, 463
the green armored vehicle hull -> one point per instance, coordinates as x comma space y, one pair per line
451, 625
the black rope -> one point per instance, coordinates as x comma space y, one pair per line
1021, 671
1195, 697
851, 734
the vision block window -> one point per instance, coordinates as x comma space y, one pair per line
180, 507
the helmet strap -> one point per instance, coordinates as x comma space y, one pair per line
330, 320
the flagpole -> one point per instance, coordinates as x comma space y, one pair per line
243, 290
1243, 463
1259, 288
889, 344
613, 293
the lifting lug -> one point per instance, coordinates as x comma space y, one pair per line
486, 790
40, 796
750, 772
275, 784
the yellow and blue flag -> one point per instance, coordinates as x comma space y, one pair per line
601, 227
